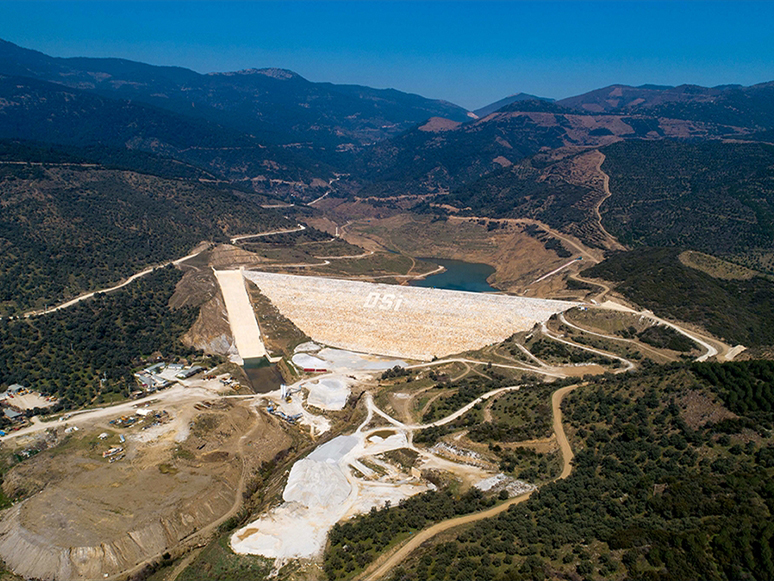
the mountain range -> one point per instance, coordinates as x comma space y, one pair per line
273, 133
276, 130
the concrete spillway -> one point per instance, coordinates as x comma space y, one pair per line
241, 317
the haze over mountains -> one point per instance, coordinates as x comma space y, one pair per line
264, 124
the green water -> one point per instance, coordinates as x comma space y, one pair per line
462, 276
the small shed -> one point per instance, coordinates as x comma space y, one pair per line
13, 415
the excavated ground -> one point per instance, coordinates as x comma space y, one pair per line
176, 478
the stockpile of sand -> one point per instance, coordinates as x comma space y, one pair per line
329, 393
314, 497
399, 321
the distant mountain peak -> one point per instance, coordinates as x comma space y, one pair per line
274, 73
492, 107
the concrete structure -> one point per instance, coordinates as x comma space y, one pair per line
13, 415
185, 374
241, 317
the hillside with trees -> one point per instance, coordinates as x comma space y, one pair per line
657, 492
277, 106
65, 230
739, 311
716, 197
526, 190
87, 352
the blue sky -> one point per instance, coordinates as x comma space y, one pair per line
470, 53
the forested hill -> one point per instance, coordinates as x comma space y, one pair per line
715, 196
35, 110
69, 229
668, 483
438, 156
730, 105
21, 151
738, 310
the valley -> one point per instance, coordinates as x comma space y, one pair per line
254, 326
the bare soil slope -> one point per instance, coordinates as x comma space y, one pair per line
110, 517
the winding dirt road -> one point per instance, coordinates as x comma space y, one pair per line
524, 367
611, 240
629, 364
639, 345
381, 568
199, 249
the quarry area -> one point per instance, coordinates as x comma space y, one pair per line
349, 475
400, 321
130, 481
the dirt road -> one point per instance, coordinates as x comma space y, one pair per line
262, 234
524, 367
612, 242
553, 272
179, 393
575, 243
639, 345
561, 437
381, 567
599, 297
199, 249
629, 364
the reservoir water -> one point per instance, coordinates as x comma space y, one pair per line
462, 276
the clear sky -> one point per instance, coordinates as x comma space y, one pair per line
470, 53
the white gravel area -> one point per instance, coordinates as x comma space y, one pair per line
329, 393
304, 361
320, 492
308, 347
341, 359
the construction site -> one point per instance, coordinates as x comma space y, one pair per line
130, 481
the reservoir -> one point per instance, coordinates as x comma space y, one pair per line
461, 276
